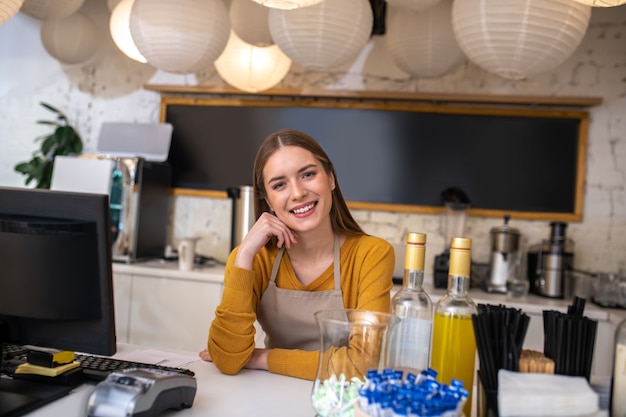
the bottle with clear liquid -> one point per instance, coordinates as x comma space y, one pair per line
618, 389
454, 346
410, 349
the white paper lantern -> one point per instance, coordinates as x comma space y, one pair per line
119, 26
251, 68
423, 43
602, 3
179, 36
323, 36
50, 9
111, 4
250, 21
287, 4
414, 5
9, 8
71, 40
517, 39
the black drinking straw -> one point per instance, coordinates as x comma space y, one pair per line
499, 333
569, 339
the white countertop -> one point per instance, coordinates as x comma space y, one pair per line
531, 304
247, 394
211, 272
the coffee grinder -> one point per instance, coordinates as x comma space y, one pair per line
452, 225
550, 264
505, 256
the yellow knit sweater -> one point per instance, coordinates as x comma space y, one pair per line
367, 264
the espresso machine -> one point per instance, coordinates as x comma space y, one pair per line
130, 166
550, 264
505, 256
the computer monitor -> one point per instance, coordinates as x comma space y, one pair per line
56, 286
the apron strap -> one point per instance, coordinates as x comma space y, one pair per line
336, 264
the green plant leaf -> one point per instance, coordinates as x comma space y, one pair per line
49, 123
63, 141
51, 108
49, 144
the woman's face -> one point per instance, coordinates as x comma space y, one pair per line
299, 191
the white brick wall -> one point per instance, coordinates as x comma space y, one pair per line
108, 89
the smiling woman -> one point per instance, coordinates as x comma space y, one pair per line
304, 253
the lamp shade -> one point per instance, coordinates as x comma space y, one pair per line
9, 8
50, 9
423, 43
287, 4
71, 40
250, 21
414, 5
119, 26
251, 68
111, 4
602, 3
517, 39
179, 36
323, 36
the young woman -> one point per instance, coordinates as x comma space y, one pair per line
304, 253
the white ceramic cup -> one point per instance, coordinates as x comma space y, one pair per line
186, 253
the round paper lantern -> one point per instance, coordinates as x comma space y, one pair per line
9, 8
50, 9
414, 5
602, 3
179, 36
287, 4
119, 26
71, 40
111, 4
250, 21
323, 36
251, 68
423, 44
517, 39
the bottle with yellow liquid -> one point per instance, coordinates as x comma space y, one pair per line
410, 347
453, 349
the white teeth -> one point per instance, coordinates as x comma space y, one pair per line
304, 209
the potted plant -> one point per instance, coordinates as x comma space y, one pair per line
65, 140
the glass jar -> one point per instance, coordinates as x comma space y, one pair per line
352, 342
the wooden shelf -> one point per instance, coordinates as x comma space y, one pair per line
424, 97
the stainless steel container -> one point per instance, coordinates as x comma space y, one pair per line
243, 212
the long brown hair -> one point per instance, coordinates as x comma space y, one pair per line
340, 217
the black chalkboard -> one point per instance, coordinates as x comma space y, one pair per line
526, 161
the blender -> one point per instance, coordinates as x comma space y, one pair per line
453, 225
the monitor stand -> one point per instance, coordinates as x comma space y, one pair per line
18, 397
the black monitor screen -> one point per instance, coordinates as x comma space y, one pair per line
55, 270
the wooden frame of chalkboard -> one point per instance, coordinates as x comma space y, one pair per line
394, 156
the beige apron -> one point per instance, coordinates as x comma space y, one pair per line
287, 317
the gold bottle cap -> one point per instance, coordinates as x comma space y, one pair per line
460, 256
415, 251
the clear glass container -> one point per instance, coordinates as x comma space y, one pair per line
453, 350
352, 342
618, 389
410, 346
